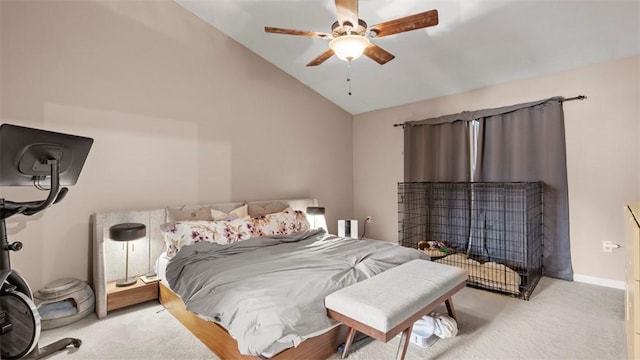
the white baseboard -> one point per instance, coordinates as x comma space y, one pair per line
599, 281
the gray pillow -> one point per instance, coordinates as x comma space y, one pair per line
265, 208
183, 214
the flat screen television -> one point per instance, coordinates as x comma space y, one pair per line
24, 153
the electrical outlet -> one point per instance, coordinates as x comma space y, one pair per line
608, 246
368, 220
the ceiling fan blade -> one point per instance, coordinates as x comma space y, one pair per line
408, 23
347, 11
297, 32
378, 54
322, 58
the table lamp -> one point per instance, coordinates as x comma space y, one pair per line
127, 232
317, 215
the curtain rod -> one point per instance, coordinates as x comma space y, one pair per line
579, 97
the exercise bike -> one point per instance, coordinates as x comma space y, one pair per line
38, 156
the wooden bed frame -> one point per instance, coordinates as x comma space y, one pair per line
225, 347
108, 263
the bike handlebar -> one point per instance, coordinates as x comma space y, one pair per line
56, 194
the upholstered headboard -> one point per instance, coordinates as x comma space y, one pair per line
109, 256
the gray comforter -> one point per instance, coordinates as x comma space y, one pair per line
270, 288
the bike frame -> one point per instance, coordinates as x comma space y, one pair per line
10, 208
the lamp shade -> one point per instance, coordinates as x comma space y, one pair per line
127, 232
315, 210
349, 47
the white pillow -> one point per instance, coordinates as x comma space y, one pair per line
236, 213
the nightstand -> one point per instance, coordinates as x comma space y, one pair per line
119, 297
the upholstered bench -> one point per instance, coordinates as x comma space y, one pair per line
389, 303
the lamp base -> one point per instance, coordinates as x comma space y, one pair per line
126, 282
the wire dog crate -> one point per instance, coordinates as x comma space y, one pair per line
492, 230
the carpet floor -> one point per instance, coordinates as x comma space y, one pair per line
562, 320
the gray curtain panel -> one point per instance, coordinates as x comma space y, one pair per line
528, 144
439, 152
524, 142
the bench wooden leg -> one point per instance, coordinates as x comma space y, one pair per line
404, 342
450, 309
347, 344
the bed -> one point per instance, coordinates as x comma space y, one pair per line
253, 263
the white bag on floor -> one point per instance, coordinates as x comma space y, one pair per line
442, 326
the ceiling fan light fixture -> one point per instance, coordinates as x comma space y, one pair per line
349, 47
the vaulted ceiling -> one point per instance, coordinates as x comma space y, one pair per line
477, 43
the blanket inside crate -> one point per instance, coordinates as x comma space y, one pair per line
490, 275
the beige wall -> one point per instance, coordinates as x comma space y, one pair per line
603, 163
179, 112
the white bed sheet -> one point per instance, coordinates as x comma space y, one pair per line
161, 267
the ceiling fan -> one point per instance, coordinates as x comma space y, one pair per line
350, 35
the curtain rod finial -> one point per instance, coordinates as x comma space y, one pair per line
579, 97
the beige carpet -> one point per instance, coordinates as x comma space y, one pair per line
563, 320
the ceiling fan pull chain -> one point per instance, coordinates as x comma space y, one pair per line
349, 76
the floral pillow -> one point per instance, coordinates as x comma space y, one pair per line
182, 233
228, 232
288, 221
